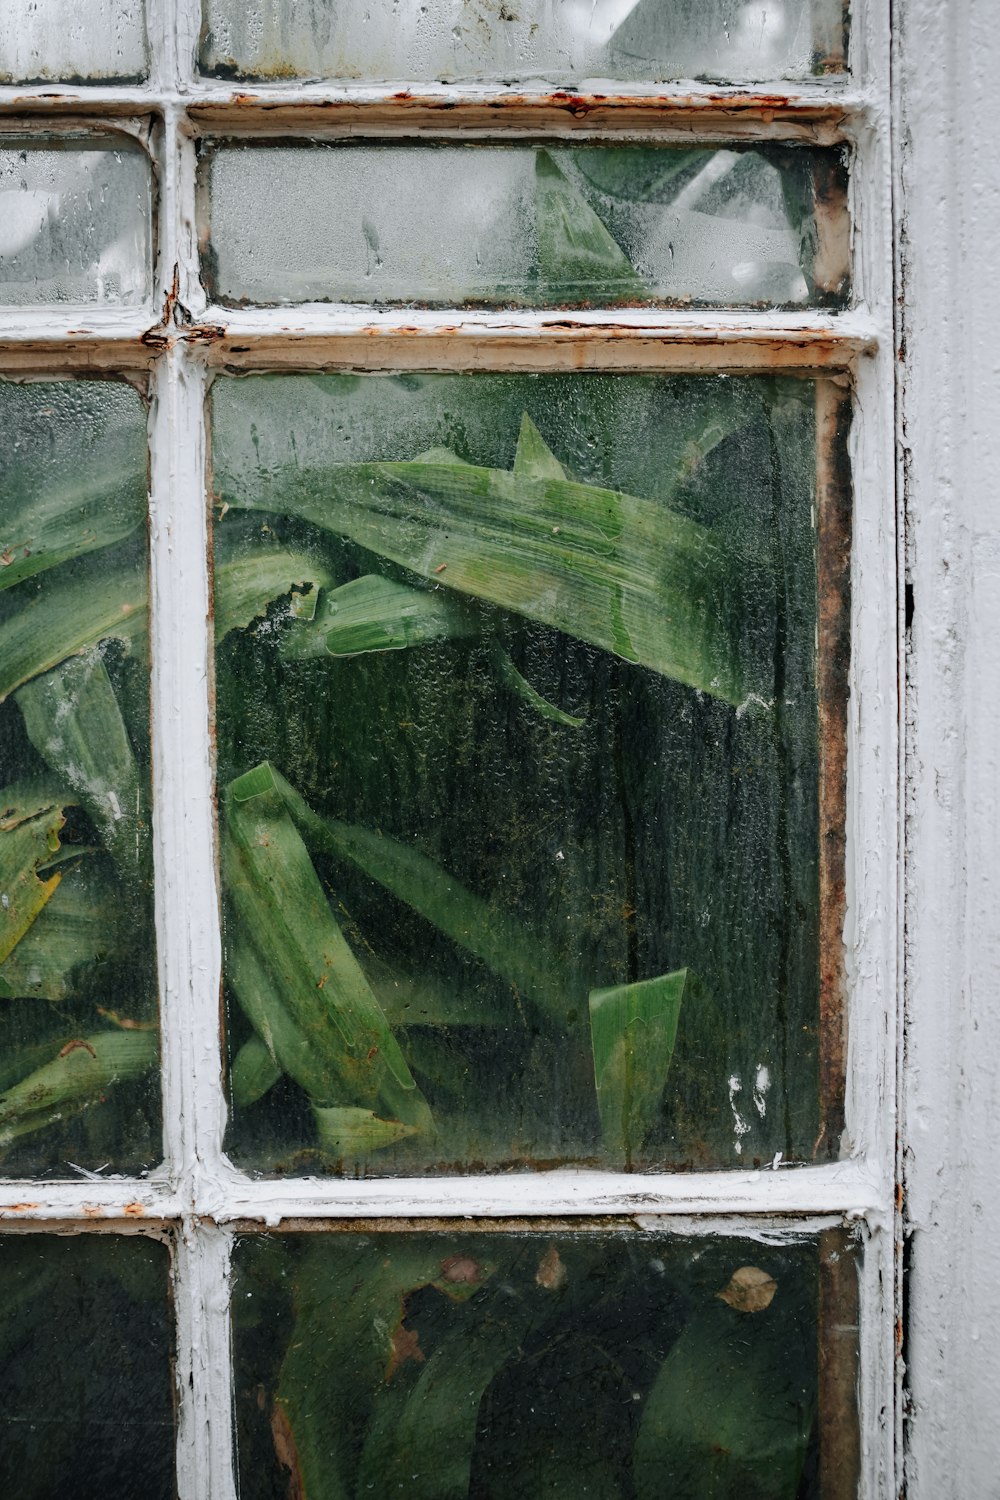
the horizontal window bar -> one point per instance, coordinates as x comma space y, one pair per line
840, 1190
94, 1199
352, 337
843, 1188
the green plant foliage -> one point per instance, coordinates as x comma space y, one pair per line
623, 573
277, 896
78, 1076
633, 1028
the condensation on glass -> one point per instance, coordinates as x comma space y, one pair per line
78, 1010
73, 41
556, 40
517, 735
445, 1366
528, 225
86, 1399
75, 221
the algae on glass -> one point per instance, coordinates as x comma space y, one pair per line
517, 765
78, 1013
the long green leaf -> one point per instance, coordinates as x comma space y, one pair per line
105, 598
633, 1029
78, 1076
578, 260
422, 1438
246, 585
254, 1071
475, 925
46, 520
378, 614
63, 614
31, 818
626, 574
74, 722
78, 927
729, 1415
347, 1342
275, 893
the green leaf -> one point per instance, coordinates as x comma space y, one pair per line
246, 585
512, 678
633, 1029
44, 522
31, 818
107, 597
77, 927
578, 259
534, 458
65, 613
254, 1071
474, 924
347, 1342
731, 1410
74, 722
421, 1441
276, 895
378, 614
80, 1075
626, 574
345, 1131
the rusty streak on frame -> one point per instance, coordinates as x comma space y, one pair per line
837, 1344
833, 521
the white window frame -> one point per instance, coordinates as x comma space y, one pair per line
197, 1197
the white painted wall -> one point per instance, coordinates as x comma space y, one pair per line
949, 81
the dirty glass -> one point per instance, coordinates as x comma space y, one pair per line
73, 41
517, 765
78, 1037
85, 1377
524, 225
75, 222
471, 1366
556, 40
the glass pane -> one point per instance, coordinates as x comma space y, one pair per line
75, 222
517, 758
431, 40
73, 41
85, 1377
78, 1037
621, 1367
527, 225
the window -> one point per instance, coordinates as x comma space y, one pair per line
513, 680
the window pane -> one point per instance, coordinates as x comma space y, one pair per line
528, 225
85, 1378
454, 1365
72, 40
74, 223
431, 40
517, 757
78, 1039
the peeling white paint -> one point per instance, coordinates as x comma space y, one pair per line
198, 1192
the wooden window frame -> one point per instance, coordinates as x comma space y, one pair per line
196, 1197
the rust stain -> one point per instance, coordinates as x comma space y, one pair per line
833, 581
405, 1345
462, 1270
74, 1045
134, 1210
92, 1211
204, 333
286, 1452
18, 1208
839, 1434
